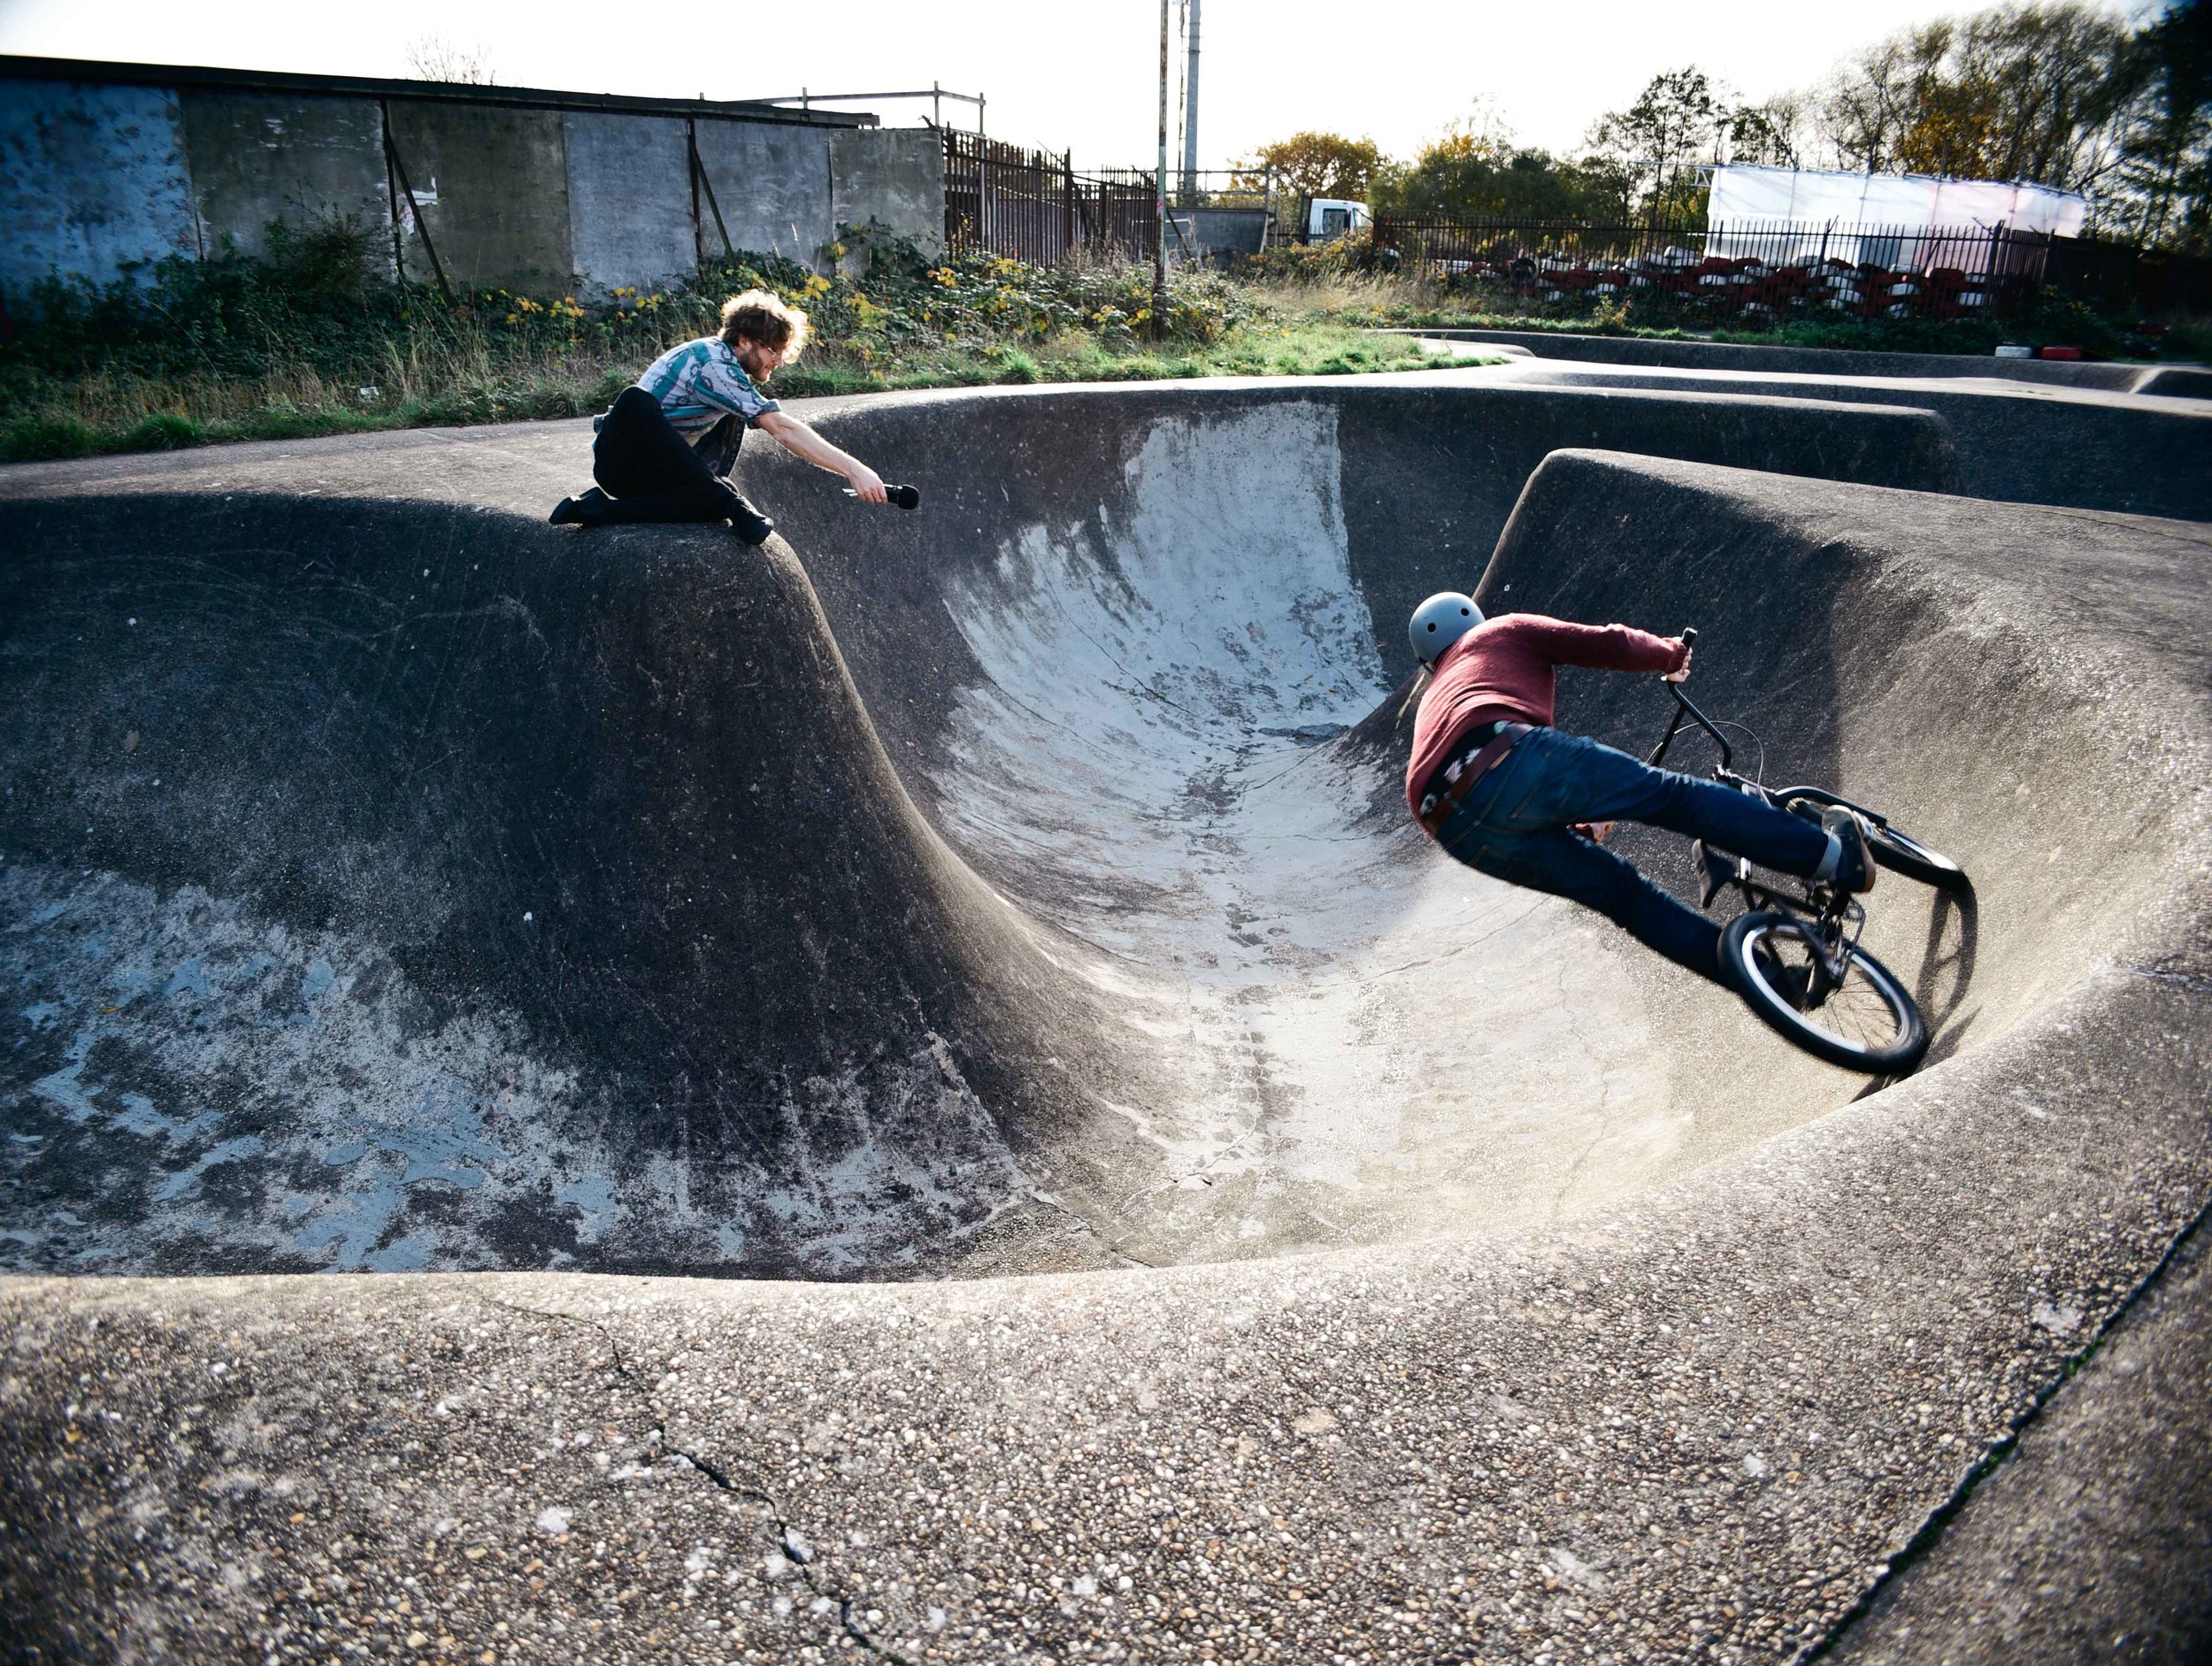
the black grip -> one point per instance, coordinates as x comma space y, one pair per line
1689, 637
904, 496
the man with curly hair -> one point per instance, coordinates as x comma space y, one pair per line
665, 447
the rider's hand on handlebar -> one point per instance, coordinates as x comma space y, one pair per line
1682, 675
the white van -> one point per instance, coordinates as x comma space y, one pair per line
1329, 217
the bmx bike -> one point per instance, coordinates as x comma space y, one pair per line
1795, 957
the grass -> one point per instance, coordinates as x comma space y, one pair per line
1313, 280
303, 342
107, 412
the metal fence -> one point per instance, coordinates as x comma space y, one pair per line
1032, 205
1763, 267
2122, 278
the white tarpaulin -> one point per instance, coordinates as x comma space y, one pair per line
1892, 202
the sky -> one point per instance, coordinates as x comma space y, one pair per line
1084, 79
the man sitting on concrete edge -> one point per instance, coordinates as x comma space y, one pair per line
665, 447
1509, 795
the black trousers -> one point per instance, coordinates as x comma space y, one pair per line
650, 474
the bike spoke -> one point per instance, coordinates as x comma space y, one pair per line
1855, 1013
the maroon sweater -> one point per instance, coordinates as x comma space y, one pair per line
1503, 668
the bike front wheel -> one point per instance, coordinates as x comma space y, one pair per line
1902, 853
1867, 1023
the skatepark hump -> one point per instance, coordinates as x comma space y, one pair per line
394, 883
1020, 885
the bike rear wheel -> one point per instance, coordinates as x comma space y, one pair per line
1866, 1023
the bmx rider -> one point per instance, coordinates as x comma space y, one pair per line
1509, 795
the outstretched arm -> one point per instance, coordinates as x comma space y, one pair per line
1610, 647
803, 442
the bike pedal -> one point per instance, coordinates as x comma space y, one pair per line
1719, 870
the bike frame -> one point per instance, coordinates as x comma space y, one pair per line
1827, 916
1726, 772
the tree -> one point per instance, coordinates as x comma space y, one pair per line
435, 58
1316, 164
1770, 135
1459, 179
2161, 191
1870, 103
1676, 120
2011, 93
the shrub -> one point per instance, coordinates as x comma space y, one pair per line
38, 439
163, 433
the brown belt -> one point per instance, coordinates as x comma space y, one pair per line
1460, 776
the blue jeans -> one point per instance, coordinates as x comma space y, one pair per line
1513, 826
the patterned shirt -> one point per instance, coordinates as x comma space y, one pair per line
701, 382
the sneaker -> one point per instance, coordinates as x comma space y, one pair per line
1855, 871
750, 526
577, 510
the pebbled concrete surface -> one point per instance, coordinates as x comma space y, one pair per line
1694, 1431
1691, 1417
2094, 1540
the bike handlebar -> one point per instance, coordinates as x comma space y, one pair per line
1683, 708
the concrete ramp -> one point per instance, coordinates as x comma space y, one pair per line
405, 886
386, 887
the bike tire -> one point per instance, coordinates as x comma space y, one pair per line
1902, 853
1869, 1023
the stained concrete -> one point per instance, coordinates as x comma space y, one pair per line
629, 200
258, 158
381, 866
93, 182
501, 178
543, 191
773, 185
1670, 1367
892, 177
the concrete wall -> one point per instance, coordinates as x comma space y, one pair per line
772, 184
92, 180
501, 177
256, 157
893, 176
629, 200
96, 176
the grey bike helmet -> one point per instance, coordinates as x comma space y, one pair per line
1440, 621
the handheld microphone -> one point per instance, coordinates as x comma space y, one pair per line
904, 496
